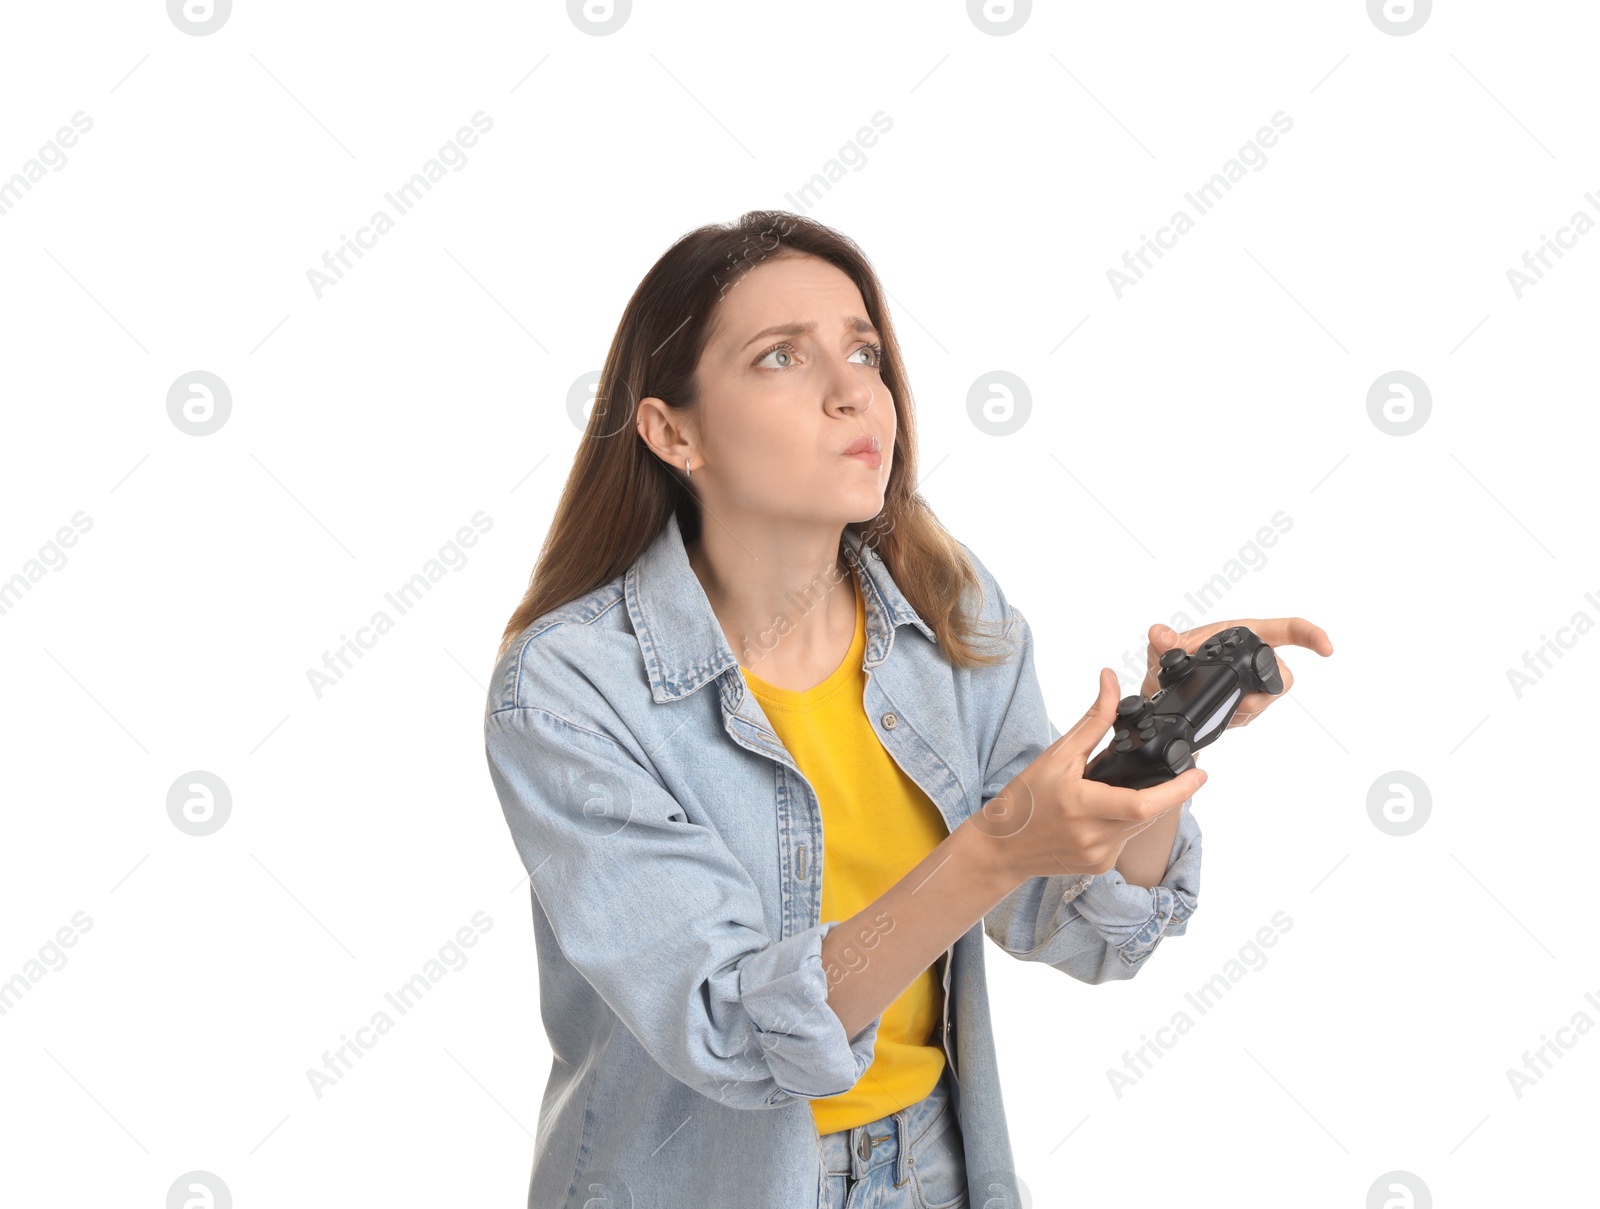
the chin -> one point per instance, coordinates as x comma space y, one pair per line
866, 515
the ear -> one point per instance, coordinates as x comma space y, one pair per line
667, 434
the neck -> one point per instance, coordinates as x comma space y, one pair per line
776, 591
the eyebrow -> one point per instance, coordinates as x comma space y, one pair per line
852, 323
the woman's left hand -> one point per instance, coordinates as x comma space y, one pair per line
1276, 632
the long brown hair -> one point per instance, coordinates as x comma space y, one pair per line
619, 494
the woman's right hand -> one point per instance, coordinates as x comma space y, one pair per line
1049, 820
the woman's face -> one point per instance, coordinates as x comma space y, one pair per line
779, 407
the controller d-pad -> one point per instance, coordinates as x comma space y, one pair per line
1232, 638
1125, 745
1120, 733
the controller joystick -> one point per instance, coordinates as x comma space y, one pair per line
1156, 737
1175, 665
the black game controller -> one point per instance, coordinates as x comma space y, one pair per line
1156, 737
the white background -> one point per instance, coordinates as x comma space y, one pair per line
370, 424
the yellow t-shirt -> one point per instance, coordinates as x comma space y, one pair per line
877, 825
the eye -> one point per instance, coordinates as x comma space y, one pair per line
877, 354
787, 349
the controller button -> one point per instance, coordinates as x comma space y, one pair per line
1121, 733
1232, 638
1177, 662
1178, 756
1148, 733
1131, 705
1125, 745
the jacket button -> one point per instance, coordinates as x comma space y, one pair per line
890, 722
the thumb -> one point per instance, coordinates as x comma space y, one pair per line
1163, 636
1110, 693
1091, 728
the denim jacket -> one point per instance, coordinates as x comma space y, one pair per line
673, 851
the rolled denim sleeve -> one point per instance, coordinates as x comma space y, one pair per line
784, 987
1095, 928
1105, 929
659, 916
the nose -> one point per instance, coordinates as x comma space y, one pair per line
850, 390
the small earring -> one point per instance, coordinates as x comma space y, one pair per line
686, 469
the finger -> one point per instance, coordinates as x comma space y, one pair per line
1293, 631
1078, 742
1190, 640
1274, 631
1118, 802
1163, 636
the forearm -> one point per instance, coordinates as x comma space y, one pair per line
1144, 858
874, 955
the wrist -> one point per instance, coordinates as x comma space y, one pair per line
1145, 857
983, 857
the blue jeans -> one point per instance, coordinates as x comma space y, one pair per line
910, 1159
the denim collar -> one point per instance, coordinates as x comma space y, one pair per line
679, 635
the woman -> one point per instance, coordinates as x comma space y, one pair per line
771, 788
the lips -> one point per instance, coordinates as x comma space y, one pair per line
868, 444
